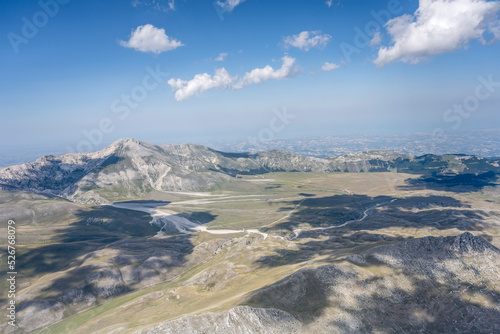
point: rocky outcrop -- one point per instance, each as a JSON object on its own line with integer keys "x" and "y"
{"x": 238, "y": 320}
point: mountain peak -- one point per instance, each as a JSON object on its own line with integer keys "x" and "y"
{"x": 468, "y": 243}
{"x": 127, "y": 146}
{"x": 126, "y": 142}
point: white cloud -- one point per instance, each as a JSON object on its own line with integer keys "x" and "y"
{"x": 329, "y": 66}
{"x": 267, "y": 73}
{"x": 200, "y": 83}
{"x": 228, "y": 5}
{"x": 307, "y": 40}
{"x": 439, "y": 26}
{"x": 148, "y": 38}
{"x": 221, "y": 56}
{"x": 184, "y": 89}
{"x": 376, "y": 40}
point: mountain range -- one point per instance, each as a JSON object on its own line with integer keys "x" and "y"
{"x": 130, "y": 168}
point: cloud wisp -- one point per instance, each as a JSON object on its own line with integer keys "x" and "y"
{"x": 331, "y": 3}
{"x": 184, "y": 89}
{"x": 229, "y": 5}
{"x": 161, "y": 5}
{"x": 329, "y": 66}
{"x": 439, "y": 26}
{"x": 148, "y": 38}
{"x": 221, "y": 56}
{"x": 307, "y": 40}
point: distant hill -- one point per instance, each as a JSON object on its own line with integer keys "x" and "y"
{"x": 484, "y": 143}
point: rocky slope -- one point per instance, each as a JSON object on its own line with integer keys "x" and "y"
{"x": 130, "y": 168}
{"x": 426, "y": 285}
{"x": 95, "y": 277}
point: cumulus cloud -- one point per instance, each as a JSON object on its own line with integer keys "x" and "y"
{"x": 229, "y": 5}
{"x": 148, "y": 38}
{"x": 439, "y": 26}
{"x": 221, "y": 56}
{"x": 329, "y": 66}
{"x": 267, "y": 73}
{"x": 184, "y": 89}
{"x": 200, "y": 83}
{"x": 307, "y": 40}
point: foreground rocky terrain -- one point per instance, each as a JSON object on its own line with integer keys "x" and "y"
{"x": 431, "y": 285}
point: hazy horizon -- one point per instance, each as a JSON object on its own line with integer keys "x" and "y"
{"x": 192, "y": 71}
{"x": 477, "y": 142}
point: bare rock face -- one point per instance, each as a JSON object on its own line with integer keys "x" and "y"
{"x": 238, "y": 320}
{"x": 433, "y": 251}
{"x": 467, "y": 243}
{"x": 40, "y": 313}
{"x": 425, "y": 285}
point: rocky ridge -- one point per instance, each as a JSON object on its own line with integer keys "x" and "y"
{"x": 130, "y": 168}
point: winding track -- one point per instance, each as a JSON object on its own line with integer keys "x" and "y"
{"x": 365, "y": 214}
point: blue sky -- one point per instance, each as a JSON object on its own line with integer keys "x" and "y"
{"x": 227, "y": 67}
